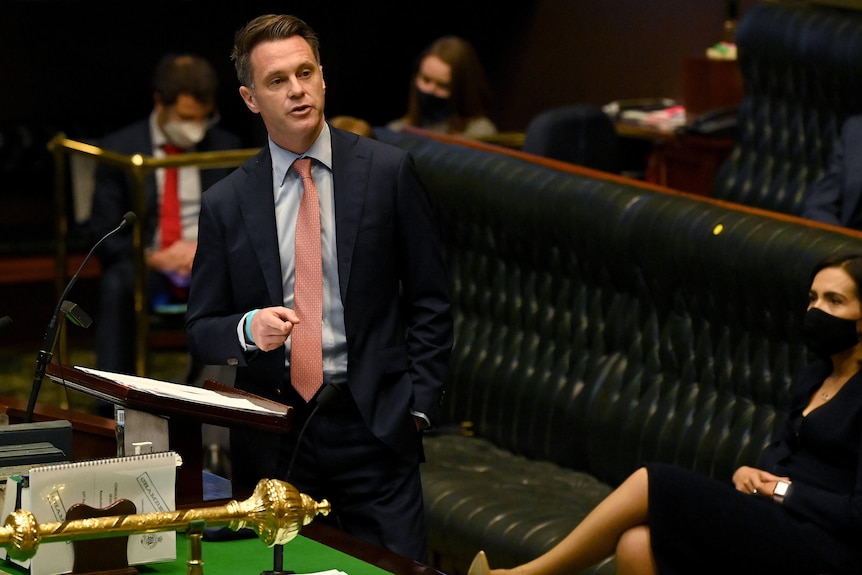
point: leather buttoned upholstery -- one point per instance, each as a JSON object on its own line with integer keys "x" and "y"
{"x": 599, "y": 324}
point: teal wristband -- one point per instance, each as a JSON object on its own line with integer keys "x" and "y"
{"x": 248, "y": 319}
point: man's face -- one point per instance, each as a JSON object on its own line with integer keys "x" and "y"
{"x": 288, "y": 92}
{"x": 186, "y": 121}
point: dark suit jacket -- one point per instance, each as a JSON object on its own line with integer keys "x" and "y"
{"x": 835, "y": 197}
{"x": 113, "y": 189}
{"x": 391, "y": 272}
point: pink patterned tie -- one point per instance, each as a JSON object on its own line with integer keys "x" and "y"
{"x": 306, "y": 349}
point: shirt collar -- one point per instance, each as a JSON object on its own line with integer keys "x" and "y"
{"x": 159, "y": 139}
{"x": 320, "y": 150}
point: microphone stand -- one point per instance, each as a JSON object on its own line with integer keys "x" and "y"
{"x": 324, "y": 398}
{"x": 46, "y": 351}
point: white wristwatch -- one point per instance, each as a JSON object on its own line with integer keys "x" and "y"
{"x": 779, "y": 494}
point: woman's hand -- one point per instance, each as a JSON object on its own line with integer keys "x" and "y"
{"x": 756, "y": 481}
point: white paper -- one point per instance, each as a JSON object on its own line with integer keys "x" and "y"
{"x": 179, "y": 391}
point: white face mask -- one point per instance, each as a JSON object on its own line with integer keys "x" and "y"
{"x": 184, "y": 134}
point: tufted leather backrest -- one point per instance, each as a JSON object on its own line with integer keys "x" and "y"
{"x": 601, "y": 324}
{"x": 579, "y": 133}
{"x": 802, "y": 72}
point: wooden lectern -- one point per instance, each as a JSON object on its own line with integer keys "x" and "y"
{"x": 185, "y": 418}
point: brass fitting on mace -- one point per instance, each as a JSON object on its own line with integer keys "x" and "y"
{"x": 276, "y": 511}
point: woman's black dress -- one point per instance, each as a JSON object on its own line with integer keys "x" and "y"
{"x": 702, "y": 526}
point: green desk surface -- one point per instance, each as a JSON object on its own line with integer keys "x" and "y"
{"x": 251, "y": 557}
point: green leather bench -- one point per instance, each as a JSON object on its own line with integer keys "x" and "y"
{"x": 599, "y": 324}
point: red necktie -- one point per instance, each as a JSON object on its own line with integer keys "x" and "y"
{"x": 169, "y": 216}
{"x": 306, "y": 348}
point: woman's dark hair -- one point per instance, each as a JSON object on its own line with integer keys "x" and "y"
{"x": 850, "y": 263}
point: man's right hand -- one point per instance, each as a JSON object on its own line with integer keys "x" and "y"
{"x": 271, "y": 326}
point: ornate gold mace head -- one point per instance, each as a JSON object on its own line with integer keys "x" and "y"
{"x": 276, "y": 511}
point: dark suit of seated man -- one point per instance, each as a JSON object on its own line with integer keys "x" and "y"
{"x": 836, "y": 198}
{"x": 182, "y": 119}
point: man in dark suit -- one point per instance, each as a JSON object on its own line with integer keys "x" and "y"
{"x": 384, "y": 325}
{"x": 836, "y": 198}
{"x": 184, "y": 94}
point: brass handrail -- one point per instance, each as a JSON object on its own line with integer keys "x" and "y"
{"x": 138, "y": 166}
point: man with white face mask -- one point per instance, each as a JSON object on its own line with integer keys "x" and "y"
{"x": 182, "y": 120}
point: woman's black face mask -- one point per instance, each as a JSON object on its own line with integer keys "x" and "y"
{"x": 827, "y": 335}
{"x": 433, "y": 108}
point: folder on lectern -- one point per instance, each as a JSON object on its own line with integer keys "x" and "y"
{"x": 147, "y": 481}
{"x": 185, "y": 407}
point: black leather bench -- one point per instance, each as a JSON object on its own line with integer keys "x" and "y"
{"x": 599, "y": 324}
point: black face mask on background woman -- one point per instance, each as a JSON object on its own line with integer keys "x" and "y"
{"x": 827, "y": 335}
{"x": 433, "y": 108}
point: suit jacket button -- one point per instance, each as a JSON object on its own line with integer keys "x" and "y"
{"x": 232, "y": 361}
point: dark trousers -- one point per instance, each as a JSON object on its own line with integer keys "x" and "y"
{"x": 375, "y": 494}
{"x": 115, "y": 321}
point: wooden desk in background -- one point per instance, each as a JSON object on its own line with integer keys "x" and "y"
{"x": 685, "y": 162}
{"x": 690, "y": 162}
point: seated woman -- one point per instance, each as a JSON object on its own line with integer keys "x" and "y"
{"x": 799, "y": 513}
{"x": 448, "y": 92}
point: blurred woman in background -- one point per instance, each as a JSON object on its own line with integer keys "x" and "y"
{"x": 449, "y": 92}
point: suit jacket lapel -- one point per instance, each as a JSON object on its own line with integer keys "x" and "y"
{"x": 257, "y": 206}
{"x": 350, "y": 173}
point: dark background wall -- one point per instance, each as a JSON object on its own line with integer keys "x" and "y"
{"x": 84, "y": 66}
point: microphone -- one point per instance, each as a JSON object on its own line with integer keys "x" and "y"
{"x": 77, "y": 316}
{"x": 5, "y": 322}
{"x": 326, "y": 396}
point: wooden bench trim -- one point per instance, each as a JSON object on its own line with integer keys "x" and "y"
{"x": 42, "y": 268}
{"x": 600, "y": 175}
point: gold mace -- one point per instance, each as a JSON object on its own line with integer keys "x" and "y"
{"x": 276, "y": 511}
